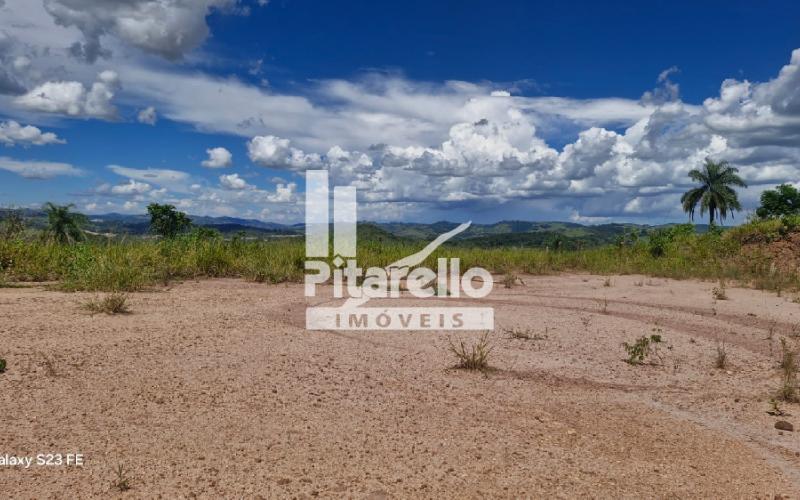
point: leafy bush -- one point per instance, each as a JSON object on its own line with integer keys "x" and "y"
{"x": 660, "y": 240}
{"x": 639, "y": 351}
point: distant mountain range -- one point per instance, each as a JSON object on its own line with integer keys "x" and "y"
{"x": 500, "y": 234}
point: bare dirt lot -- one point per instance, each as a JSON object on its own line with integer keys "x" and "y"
{"x": 215, "y": 388}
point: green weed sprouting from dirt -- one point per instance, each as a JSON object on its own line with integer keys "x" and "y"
{"x": 121, "y": 482}
{"x": 775, "y": 408}
{"x": 2, "y": 365}
{"x": 642, "y": 349}
{"x": 115, "y": 303}
{"x": 474, "y": 357}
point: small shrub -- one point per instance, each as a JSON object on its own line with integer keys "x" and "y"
{"x": 640, "y": 351}
{"x": 115, "y": 303}
{"x": 721, "y": 361}
{"x": 2, "y": 365}
{"x": 510, "y": 280}
{"x": 121, "y": 482}
{"x": 475, "y": 357}
{"x": 607, "y": 282}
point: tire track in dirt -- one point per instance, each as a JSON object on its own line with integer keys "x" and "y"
{"x": 683, "y": 327}
{"x": 551, "y": 379}
{"x": 778, "y": 327}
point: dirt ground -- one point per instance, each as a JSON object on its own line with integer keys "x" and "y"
{"x": 214, "y": 388}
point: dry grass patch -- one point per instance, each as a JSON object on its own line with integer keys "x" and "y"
{"x": 524, "y": 334}
{"x": 720, "y": 292}
{"x": 474, "y": 357}
{"x": 512, "y": 279}
{"x": 721, "y": 360}
{"x": 789, "y": 369}
{"x": 115, "y": 303}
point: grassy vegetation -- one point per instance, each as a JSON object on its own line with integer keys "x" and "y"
{"x": 101, "y": 264}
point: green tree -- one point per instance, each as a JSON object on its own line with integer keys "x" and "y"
{"x": 166, "y": 221}
{"x": 783, "y": 200}
{"x": 714, "y": 194}
{"x": 63, "y": 225}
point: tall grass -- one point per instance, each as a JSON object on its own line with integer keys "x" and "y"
{"x": 134, "y": 264}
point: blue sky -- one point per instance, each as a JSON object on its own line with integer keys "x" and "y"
{"x": 583, "y": 111}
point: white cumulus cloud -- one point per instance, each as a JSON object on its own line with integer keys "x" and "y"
{"x": 233, "y": 181}
{"x": 12, "y": 133}
{"x": 274, "y": 152}
{"x": 168, "y": 28}
{"x": 73, "y": 98}
{"x": 131, "y": 188}
{"x": 218, "y": 158}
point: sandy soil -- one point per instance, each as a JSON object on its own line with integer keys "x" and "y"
{"x": 215, "y": 388}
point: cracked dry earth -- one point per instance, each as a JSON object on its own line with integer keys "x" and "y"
{"x": 214, "y": 388}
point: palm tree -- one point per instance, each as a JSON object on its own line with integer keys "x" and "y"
{"x": 714, "y": 194}
{"x": 62, "y": 225}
